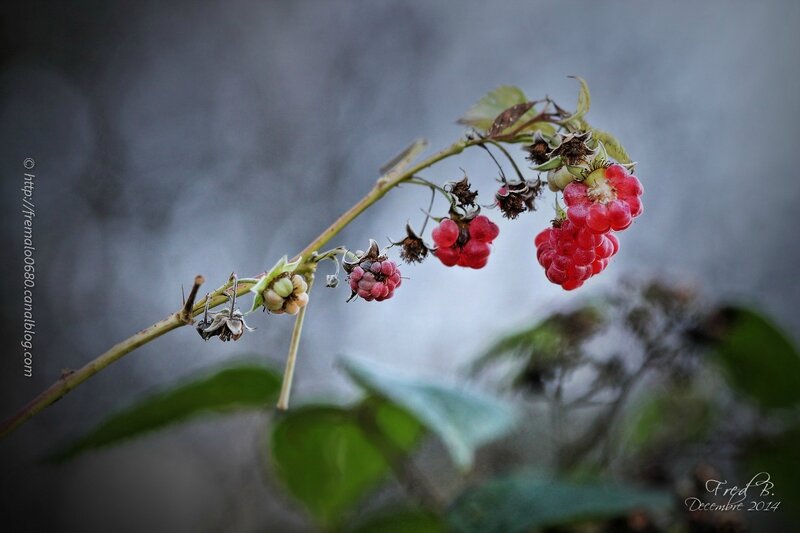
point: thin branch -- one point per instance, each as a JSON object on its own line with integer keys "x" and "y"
{"x": 294, "y": 343}
{"x": 69, "y": 381}
{"x": 510, "y": 159}
{"x": 428, "y": 212}
{"x": 496, "y": 162}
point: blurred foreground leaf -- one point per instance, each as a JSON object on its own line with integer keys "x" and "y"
{"x": 328, "y": 458}
{"x": 464, "y": 420}
{"x": 482, "y": 115}
{"x": 406, "y": 521}
{"x": 758, "y": 358}
{"x": 667, "y": 419}
{"x": 780, "y": 457}
{"x": 527, "y": 502}
{"x": 231, "y": 389}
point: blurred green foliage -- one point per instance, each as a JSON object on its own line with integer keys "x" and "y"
{"x": 462, "y": 419}
{"x": 527, "y": 502}
{"x": 227, "y": 390}
{"x": 328, "y": 459}
{"x": 647, "y": 393}
{"x": 758, "y": 358}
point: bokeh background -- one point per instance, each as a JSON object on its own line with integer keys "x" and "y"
{"x": 179, "y": 138}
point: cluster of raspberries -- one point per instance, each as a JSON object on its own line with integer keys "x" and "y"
{"x": 579, "y": 245}
{"x": 582, "y": 244}
{"x": 465, "y": 242}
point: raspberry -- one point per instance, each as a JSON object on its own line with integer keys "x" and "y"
{"x": 448, "y": 256}
{"x": 571, "y": 254}
{"x": 378, "y": 283}
{"x": 614, "y": 241}
{"x": 371, "y": 275}
{"x": 609, "y": 199}
{"x": 469, "y": 241}
{"x": 445, "y": 234}
{"x": 476, "y": 248}
{"x": 483, "y": 229}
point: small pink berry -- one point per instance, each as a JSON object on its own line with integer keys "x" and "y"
{"x": 377, "y": 289}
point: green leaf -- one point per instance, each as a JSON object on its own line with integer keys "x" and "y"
{"x": 523, "y": 503}
{"x": 400, "y": 521}
{"x": 612, "y": 145}
{"x": 482, "y": 115}
{"x": 463, "y": 420}
{"x": 328, "y": 460}
{"x": 758, "y": 359}
{"x": 510, "y": 117}
{"x": 394, "y": 423}
{"x": 245, "y": 387}
{"x": 584, "y": 102}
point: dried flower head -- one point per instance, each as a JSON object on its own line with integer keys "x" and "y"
{"x": 516, "y": 197}
{"x": 574, "y": 148}
{"x": 413, "y": 248}
{"x": 227, "y": 324}
{"x": 463, "y": 192}
{"x": 539, "y": 151}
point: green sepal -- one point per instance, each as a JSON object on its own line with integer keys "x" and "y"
{"x": 578, "y": 172}
{"x": 554, "y": 163}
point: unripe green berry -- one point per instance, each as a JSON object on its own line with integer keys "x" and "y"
{"x": 558, "y": 179}
{"x": 299, "y": 283}
{"x": 283, "y": 287}
{"x": 272, "y": 300}
{"x": 302, "y": 299}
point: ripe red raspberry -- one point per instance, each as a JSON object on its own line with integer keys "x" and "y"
{"x": 482, "y": 229}
{"x": 465, "y": 242}
{"x": 445, "y": 234}
{"x": 571, "y": 254}
{"x": 608, "y": 199}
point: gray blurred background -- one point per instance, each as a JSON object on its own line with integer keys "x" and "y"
{"x": 172, "y": 139}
